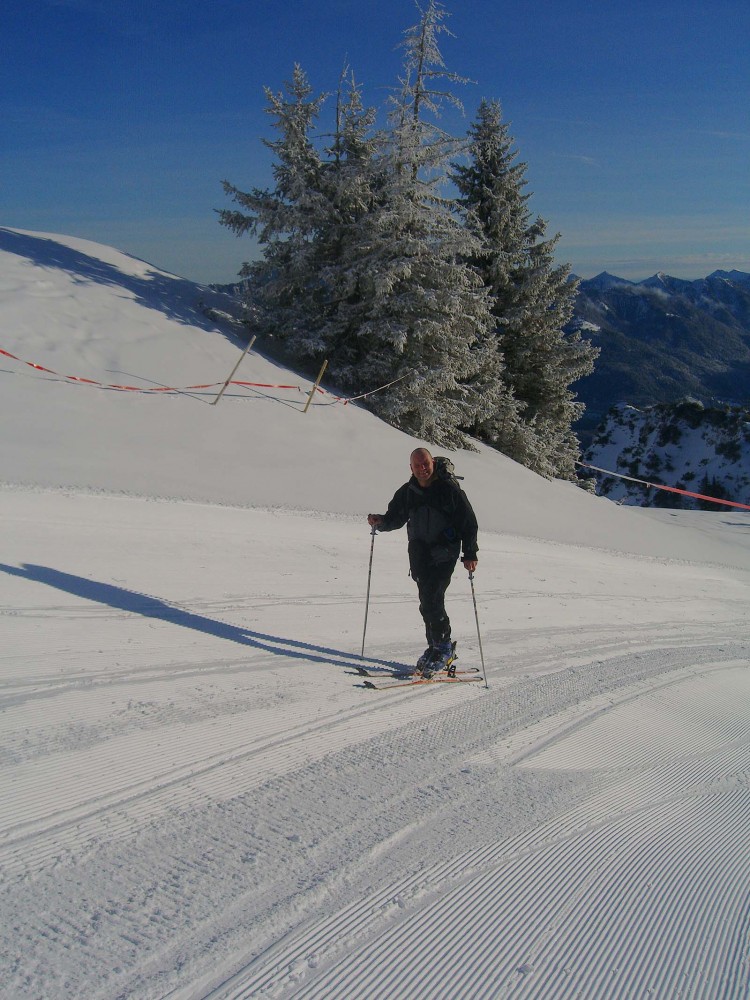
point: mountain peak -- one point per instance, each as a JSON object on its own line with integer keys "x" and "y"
{"x": 666, "y": 282}
{"x": 659, "y": 279}
{"x": 605, "y": 280}
{"x": 741, "y": 277}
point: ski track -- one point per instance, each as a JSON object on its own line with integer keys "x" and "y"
{"x": 206, "y": 803}
{"x": 176, "y": 767}
{"x": 555, "y": 723}
{"x": 585, "y": 905}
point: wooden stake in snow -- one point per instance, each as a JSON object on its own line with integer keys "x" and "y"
{"x": 221, "y": 391}
{"x": 315, "y": 387}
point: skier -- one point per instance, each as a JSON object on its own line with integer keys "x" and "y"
{"x": 439, "y": 521}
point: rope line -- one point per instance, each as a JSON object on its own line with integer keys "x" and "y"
{"x": 208, "y": 385}
{"x": 661, "y": 486}
{"x": 141, "y": 388}
{"x": 363, "y": 395}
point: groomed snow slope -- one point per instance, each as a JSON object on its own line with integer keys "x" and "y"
{"x": 201, "y": 799}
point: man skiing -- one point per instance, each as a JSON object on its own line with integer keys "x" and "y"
{"x": 439, "y": 520}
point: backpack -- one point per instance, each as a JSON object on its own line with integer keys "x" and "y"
{"x": 445, "y": 469}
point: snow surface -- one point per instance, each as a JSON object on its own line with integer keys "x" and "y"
{"x": 200, "y": 799}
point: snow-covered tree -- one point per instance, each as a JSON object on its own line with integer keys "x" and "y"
{"x": 532, "y": 300}
{"x": 287, "y": 218}
{"x": 308, "y": 224}
{"x": 424, "y": 315}
{"x": 354, "y": 184}
{"x": 455, "y": 304}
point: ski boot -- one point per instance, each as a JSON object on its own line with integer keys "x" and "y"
{"x": 424, "y": 660}
{"x": 443, "y": 656}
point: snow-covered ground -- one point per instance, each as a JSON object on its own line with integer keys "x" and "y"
{"x": 200, "y": 799}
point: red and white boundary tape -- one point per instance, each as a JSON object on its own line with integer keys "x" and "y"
{"x": 670, "y": 489}
{"x": 209, "y": 385}
{"x": 140, "y": 388}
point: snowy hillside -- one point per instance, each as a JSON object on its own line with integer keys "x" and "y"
{"x": 699, "y": 449}
{"x": 88, "y": 311}
{"x": 203, "y": 800}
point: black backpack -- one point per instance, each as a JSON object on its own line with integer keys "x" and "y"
{"x": 445, "y": 469}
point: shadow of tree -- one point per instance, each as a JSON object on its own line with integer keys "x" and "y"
{"x": 152, "y": 607}
{"x": 179, "y": 299}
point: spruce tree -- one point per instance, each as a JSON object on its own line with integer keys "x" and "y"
{"x": 423, "y": 317}
{"x": 308, "y": 226}
{"x": 354, "y": 185}
{"x": 366, "y": 264}
{"x": 286, "y": 219}
{"x": 532, "y": 300}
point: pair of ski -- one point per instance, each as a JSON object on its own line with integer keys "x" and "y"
{"x": 384, "y": 682}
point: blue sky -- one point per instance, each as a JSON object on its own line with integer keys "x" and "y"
{"x": 119, "y": 120}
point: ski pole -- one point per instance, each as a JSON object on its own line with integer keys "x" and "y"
{"x": 369, "y": 578}
{"x": 476, "y": 616}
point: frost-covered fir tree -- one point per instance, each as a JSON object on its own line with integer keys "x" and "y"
{"x": 423, "y": 316}
{"x": 366, "y": 264}
{"x": 307, "y": 223}
{"x": 287, "y": 218}
{"x": 354, "y": 185}
{"x": 532, "y": 300}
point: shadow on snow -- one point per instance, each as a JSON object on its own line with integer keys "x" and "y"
{"x": 152, "y": 607}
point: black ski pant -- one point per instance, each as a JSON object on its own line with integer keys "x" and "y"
{"x": 432, "y": 581}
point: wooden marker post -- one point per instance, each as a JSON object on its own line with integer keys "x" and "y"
{"x": 315, "y": 387}
{"x": 221, "y": 391}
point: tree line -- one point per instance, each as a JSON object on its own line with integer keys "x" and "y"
{"x": 404, "y": 254}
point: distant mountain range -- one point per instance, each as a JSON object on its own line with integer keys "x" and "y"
{"x": 663, "y": 339}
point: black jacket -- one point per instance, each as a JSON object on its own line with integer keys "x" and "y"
{"x": 439, "y": 521}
